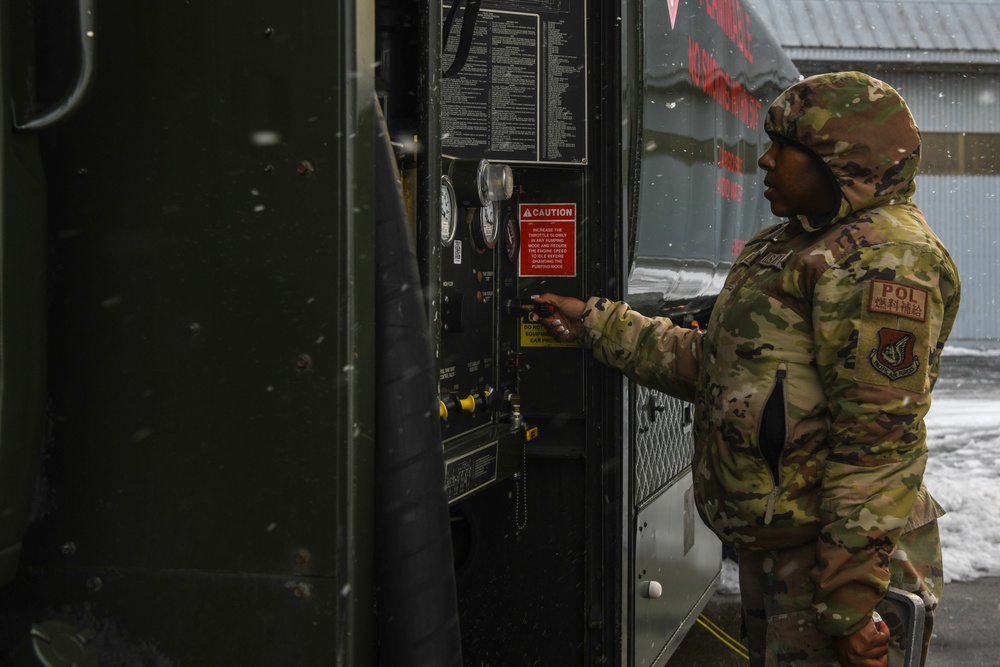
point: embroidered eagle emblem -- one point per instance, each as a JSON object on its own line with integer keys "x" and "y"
{"x": 894, "y": 356}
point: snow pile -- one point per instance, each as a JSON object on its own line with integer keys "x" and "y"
{"x": 729, "y": 578}
{"x": 963, "y": 474}
{"x": 963, "y": 470}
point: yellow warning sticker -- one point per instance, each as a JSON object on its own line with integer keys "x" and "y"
{"x": 533, "y": 334}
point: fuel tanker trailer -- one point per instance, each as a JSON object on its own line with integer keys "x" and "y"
{"x": 270, "y": 389}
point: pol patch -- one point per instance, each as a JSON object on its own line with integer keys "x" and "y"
{"x": 895, "y": 299}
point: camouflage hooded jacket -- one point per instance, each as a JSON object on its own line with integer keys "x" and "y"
{"x": 813, "y": 377}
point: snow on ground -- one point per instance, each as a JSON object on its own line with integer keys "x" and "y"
{"x": 963, "y": 474}
{"x": 963, "y": 469}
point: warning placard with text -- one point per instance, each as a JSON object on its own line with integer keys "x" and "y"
{"x": 548, "y": 240}
{"x": 533, "y": 334}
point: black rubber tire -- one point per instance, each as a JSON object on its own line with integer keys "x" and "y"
{"x": 415, "y": 592}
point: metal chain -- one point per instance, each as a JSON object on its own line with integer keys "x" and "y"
{"x": 522, "y": 489}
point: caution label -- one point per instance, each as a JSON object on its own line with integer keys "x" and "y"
{"x": 548, "y": 240}
{"x": 534, "y": 334}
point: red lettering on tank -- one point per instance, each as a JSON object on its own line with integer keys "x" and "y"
{"x": 734, "y": 21}
{"x": 707, "y": 74}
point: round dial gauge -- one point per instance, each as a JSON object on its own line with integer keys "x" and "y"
{"x": 511, "y": 236}
{"x": 495, "y": 181}
{"x": 488, "y": 224}
{"x": 449, "y": 211}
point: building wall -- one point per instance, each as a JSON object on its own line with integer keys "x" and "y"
{"x": 961, "y": 201}
{"x": 965, "y": 212}
{"x": 949, "y": 101}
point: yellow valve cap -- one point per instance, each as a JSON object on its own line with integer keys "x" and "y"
{"x": 442, "y": 410}
{"x": 468, "y": 403}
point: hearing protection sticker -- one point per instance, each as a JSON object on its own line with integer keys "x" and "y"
{"x": 533, "y": 334}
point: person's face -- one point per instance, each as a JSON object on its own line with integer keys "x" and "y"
{"x": 795, "y": 182}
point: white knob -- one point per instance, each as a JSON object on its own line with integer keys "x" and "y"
{"x": 652, "y": 590}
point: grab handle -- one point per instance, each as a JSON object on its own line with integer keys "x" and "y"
{"x": 85, "y": 72}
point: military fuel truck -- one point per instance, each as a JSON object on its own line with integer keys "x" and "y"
{"x": 271, "y": 392}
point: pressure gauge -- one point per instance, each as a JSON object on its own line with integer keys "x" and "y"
{"x": 449, "y": 211}
{"x": 486, "y": 226}
{"x": 511, "y": 235}
{"x": 479, "y": 182}
{"x": 495, "y": 182}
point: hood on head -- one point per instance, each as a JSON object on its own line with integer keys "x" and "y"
{"x": 860, "y": 128}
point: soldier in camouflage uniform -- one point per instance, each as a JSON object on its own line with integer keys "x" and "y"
{"x": 813, "y": 377}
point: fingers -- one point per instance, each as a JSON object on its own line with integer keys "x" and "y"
{"x": 877, "y": 635}
{"x": 558, "y": 329}
{"x": 553, "y": 300}
{"x": 569, "y": 307}
{"x": 868, "y": 647}
{"x": 561, "y": 325}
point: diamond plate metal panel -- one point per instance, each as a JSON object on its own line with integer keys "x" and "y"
{"x": 664, "y": 443}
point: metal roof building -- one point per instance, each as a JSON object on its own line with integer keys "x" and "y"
{"x": 910, "y": 33}
{"x": 944, "y": 58}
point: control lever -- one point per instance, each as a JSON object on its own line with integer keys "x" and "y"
{"x": 451, "y": 404}
{"x": 447, "y": 404}
{"x": 478, "y": 402}
{"x": 521, "y": 308}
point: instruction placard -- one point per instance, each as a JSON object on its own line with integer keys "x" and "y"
{"x": 469, "y": 472}
{"x": 548, "y": 240}
{"x": 521, "y": 95}
{"x": 534, "y": 334}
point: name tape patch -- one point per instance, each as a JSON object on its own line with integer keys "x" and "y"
{"x": 895, "y": 299}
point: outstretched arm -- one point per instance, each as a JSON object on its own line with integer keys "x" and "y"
{"x": 650, "y": 350}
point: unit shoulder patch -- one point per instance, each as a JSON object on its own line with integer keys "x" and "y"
{"x": 892, "y": 298}
{"x": 895, "y": 336}
{"x": 893, "y": 357}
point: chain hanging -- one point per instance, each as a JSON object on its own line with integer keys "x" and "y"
{"x": 521, "y": 481}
